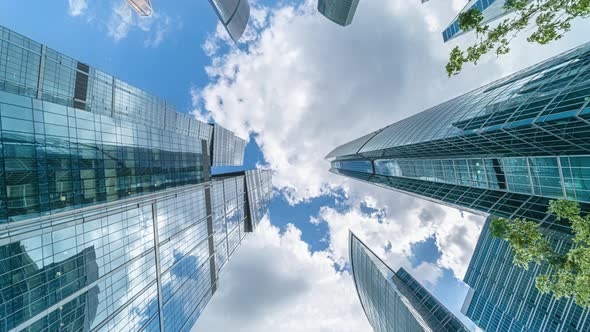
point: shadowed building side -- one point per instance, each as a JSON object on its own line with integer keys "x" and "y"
{"x": 340, "y": 12}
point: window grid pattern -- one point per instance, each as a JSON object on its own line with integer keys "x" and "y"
{"x": 80, "y": 169}
{"x": 505, "y": 148}
{"x": 26, "y": 66}
{"x": 430, "y": 309}
{"x": 259, "y": 194}
{"x": 505, "y": 297}
{"x": 387, "y": 299}
{"x": 556, "y": 177}
{"x": 56, "y": 157}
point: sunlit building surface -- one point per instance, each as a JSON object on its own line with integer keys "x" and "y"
{"x": 395, "y": 301}
{"x": 142, "y": 7}
{"x": 338, "y": 11}
{"x": 506, "y": 149}
{"x": 490, "y": 9}
{"x": 503, "y": 297}
{"x": 110, "y": 219}
{"x": 234, "y": 15}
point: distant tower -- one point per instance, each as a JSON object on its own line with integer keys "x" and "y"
{"x": 142, "y": 7}
{"x": 234, "y": 15}
{"x": 338, "y": 11}
{"x": 395, "y": 301}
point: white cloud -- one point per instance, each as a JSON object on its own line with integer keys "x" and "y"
{"x": 77, "y": 7}
{"x": 274, "y": 283}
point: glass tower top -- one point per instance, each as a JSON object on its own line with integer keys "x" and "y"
{"x": 395, "y": 301}
{"x": 234, "y": 15}
{"x": 506, "y": 148}
{"x": 340, "y": 12}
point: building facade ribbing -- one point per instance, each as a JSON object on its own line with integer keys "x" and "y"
{"x": 395, "y": 301}
{"x": 110, "y": 219}
{"x": 503, "y": 297}
{"x": 506, "y": 148}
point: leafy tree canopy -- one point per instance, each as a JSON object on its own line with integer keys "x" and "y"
{"x": 550, "y": 19}
{"x": 569, "y": 273}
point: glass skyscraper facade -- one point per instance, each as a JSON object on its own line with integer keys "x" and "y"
{"x": 395, "y": 301}
{"x": 491, "y": 10}
{"x": 110, "y": 219}
{"x": 340, "y": 12}
{"x": 503, "y": 297}
{"x": 506, "y": 148}
{"x": 234, "y": 15}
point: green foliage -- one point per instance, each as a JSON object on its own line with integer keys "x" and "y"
{"x": 569, "y": 273}
{"x": 526, "y": 240}
{"x": 552, "y": 19}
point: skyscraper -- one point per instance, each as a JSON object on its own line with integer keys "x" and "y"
{"x": 110, "y": 219}
{"x": 338, "y": 11}
{"x": 142, "y": 7}
{"x": 396, "y": 301}
{"x": 503, "y": 297}
{"x": 490, "y": 9}
{"x": 234, "y": 15}
{"x": 506, "y": 148}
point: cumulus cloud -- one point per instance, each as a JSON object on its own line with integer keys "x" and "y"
{"x": 77, "y": 7}
{"x": 282, "y": 286}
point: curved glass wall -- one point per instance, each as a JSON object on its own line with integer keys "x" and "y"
{"x": 395, "y": 301}
{"x": 234, "y": 15}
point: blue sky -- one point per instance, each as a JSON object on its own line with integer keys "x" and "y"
{"x": 297, "y": 86}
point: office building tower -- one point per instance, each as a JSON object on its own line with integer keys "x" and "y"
{"x": 507, "y": 148}
{"x": 340, "y": 12}
{"x": 395, "y": 301}
{"x": 234, "y": 15}
{"x": 142, "y": 7}
{"x": 490, "y": 9}
{"x": 110, "y": 219}
{"x": 503, "y": 297}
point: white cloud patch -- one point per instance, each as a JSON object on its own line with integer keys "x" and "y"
{"x": 77, "y": 7}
